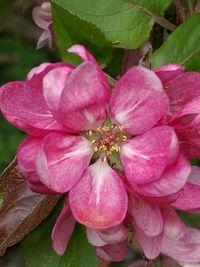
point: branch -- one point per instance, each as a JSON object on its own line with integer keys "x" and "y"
{"x": 160, "y": 20}
{"x": 180, "y": 10}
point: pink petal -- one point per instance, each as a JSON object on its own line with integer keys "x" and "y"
{"x": 189, "y": 136}
{"x": 83, "y": 101}
{"x": 34, "y": 183}
{"x": 82, "y": 52}
{"x": 86, "y": 56}
{"x": 45, "y": 38}
{"x": 104, "y": 202}
{"x": 63, "y": 229}
{"x": 42, "y": 15}
{"x": 53, "y": 84}
{"x": 137, "y": 93}
{"x": 24, "y": 106}
{"x": 26, "y": 157}
{"x": 189, "y": 198}
{"x": 151, "y": 245}
{"x": 168, "y": 72}
{"x": 94, "y": 238}
{"x": 171, "y": 181}
{"x": 114, "y": 235}
{"x": 186, "y": 249}
{"x": 39, "y": 69}
{"x": 182, "y": 90}
{"x": 62, "y": 160}
{"x": 27, "y": 153}
{"x": 147, "y": 216}
{"x": 145, "y": 157}
{"x": 187, "y": 114}
{"x": 37, "y": 74}
{"x": 114, "y": 252}
{"x": 173, "y": 226}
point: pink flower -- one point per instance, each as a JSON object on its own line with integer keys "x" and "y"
{"x": 99, "y": 145}
{"x": 43, "y": 18}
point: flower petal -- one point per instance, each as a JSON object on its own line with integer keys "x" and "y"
{"x": 145, "y": 157}
{"x": 189, "y": 198}
{"x": 86, "y": 56}
{"x": 168, "y": 72}
{"x": 27, "y": 153}
{"x": 151, "y": 245}
{"x": 114, "y": 235}
{"x": 137, "y": 93}
{"x": 62, "y": 160}
{"x": 42, "y": 15}
{"x": 24, "y": 106}
{"x": 94, "y": 238}
{"x": 104, "y": 202}
{"x": 114, "y": 252}
{"x": 82, "y": 52}
{"x": 174, "y": 228}
{"x": 36, "y": 75}
{"x": 171, "y": 181}
{"x": 148, "y": 217}
{"x": 26, "y": 157}
{"x": 53, "y": 84}
{"x": 189, "y": 136}
{"x": 83, "y": 101}
{"x": 186, "y": 249}
{"x": 182, "y": 90}
{"x": 45, "y": 38}
{"x": 63, "y": 229}
{"x": 39, "y": 69}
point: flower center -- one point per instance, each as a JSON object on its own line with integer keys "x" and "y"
{"x": 107, "y": 138}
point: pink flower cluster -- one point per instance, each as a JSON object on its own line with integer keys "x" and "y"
{"x": 122, "y": 154}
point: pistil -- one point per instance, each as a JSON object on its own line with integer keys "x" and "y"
{"x": 107, "y": 138}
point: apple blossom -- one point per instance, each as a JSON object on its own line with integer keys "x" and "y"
{"x": 116, "y": 153}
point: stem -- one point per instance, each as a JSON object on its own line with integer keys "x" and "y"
{"x": 180, "y": 10}
{"x": 160, "y": 20}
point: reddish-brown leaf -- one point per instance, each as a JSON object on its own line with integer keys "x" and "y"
{"x": 22, "y": 210}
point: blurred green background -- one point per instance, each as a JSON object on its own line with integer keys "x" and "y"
{"x": 18, "y": 55}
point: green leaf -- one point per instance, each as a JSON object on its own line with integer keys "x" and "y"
{"x": 125, "y": 25}
{"x": 6, "y": 6}
{"x": 38, "y": 252}
{"x": 182, "y": 46}
{"x": 70, "y": 29}
{"x": 190, "y": 219}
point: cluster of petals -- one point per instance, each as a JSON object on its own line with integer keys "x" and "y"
{"x": 159, "y": 112}
{"x": 42, "y": 16}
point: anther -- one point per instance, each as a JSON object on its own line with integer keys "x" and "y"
{"x": 96, "y": 149}
{"x": 121, "y": 127}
